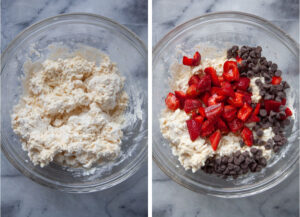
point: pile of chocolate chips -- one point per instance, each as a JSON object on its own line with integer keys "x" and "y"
{"x": 255, "y": 65}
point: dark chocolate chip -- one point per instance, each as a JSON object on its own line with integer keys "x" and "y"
{"x": 260, "y": 133}
{"x": 277, "y": 138}
{"x": 278, "y": 73}
{"x": 263, "y": 112}
{"x": 253, "y": 150}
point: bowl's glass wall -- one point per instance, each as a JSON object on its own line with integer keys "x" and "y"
{"x": 223, "y": 31}
{"x": 131, "y": 57}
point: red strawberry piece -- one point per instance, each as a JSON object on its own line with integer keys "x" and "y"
{"x": 246, "y": 96}
{"x": 199, "y": 119}
{"x": 196, "y": 59}
{"x": 215, "y": 139}
{"x": 194, "y": 114}
{"x": 230, "y": 71}
{"x": 204, "y": 98}
{"x": 226, "y": 89}
{"x": 215, "y": 90}
{"x": 237, "y": 101}
{"x": 201, "y": 111}
{"x": 239, "y": 60}
{"x": 191, "y": 104}
{"x": 288, "y": 112}
{"x": 235, "y": 125}
{"x": 253, "y": 117}
{"x": 214, "y": 99}
{"x": 221, "y": 78}
{"x": 244, "y": 112}
{"x": 221, "y": 125}
{"x": 187, "y": 61}
{"x": 272, "y": 105}
{"x": 192, "y": 91}
{"x": 194, "y": 80}
{"x": 182, "y": 97}
{"x": 247, "y": 136}
{"x": 194, "y": 128}
{"x": 172, "y": 102}
{"x": 229, "y": 112}
{"x": 276, "y": 80}
{"x": 207, "y": 128}
{"x": 243, "y": 83}
{"x": 256, "y": 110}
{"x": 204, "y": 84}
{"x": 213, "y": 112}
{"x": 283, "y": 101}
{"x": 213, "y": 74}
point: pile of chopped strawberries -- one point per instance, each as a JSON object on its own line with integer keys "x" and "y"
{"x": 218, "y": 105}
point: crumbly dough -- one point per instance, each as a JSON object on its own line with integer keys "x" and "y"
{"x": 255, "y": 89}
{"x": 192, "y": 155}
{"x": 71, "y": 112}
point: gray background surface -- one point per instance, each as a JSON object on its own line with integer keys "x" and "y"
{"x": 173, "y": 200}
{"x": 22, "y": 197}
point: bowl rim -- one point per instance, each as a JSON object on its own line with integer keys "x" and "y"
{"x": 133, "y": 166}
{"x": 225, "y": 194}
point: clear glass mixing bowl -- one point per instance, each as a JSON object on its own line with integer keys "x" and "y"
{"x": 124, "y": 48}
{"x": 223, "y": 30}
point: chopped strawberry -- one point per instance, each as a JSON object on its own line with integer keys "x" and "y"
{"x": 247, "y": 136}
{"x": 187, "y": 61}
{"x": 243, "y": 83}
{"x": 283, "y": 101}
{"x": 229, "y": 112}
{"x": 214, "y": 111}
{"x": 195, "y": 61}
{"x": 192, "y": 91}
{"x": 207, "y": 128}
{"x": 204, "y": 84}
{"x": 276, "y": 80}
{"x": 237, "y": 101}
{"x": 194, "y": 114}
{"x": 215, "y": 139}
{"x": 182, "y": 97}
{"x": 226, "y": 89}
{"x": 201, "y": 111}
{"x": 204, "y": 98}
{"x": 256, "y": 110}
{"x": 230, "y": 71}
{"x": 191, "y": 104}
{"x": 194, "y": 128}
{"x": 221, "y": 78}
{"x": 245, "y": 112}
{"x": 214, "y": 99}
{"x": 172, "y": 102}
{"x": 213, "y": 74}
{"x": 246, "y": 96}
{"x": 253, "y": 117}
{"x": 194, "y": 80}
{"x": 199, "y": 119}
{"x": 235, "y": 125}
{"x": 272, "y": 105}
{"x": 288, "y": 112}
{"x": 239, "y": 60}
{"x": 215, "y": 90}
{"x": 221, "y": 125}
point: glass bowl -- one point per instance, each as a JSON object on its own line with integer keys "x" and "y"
{"x": 124, "y": 48}
{"x": 223, "y": 30}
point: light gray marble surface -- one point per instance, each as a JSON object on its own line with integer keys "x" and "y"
{"x": 173, "y": 200}
{"x": 22, "y": 197}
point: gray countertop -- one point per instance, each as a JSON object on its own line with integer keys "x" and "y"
{"x": 173, "y": 200}
{"x": 22, "y": 197}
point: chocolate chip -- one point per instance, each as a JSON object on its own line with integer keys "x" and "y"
{"x": 250, "y": 73}
{"x": 268, "y": 146}
{"x": 253, "y": 150}
{"x": 261, "y": 142}
{"x": 287, "y": 122}
{"x": 242, "y": 144}
{"x": 274, "y": 67}
{"x": 278, "y": 73}
{"x": 260, "y": 133}
{"x": 230, "y": 160}
{"x": 224, "y": 160}
{"x": 259, "y": 152}
{"x": 263, "y": 112}
{"x": 258, "y": 168}
{"x": 277, "y": 138}
{"x": 276, "y": 148}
